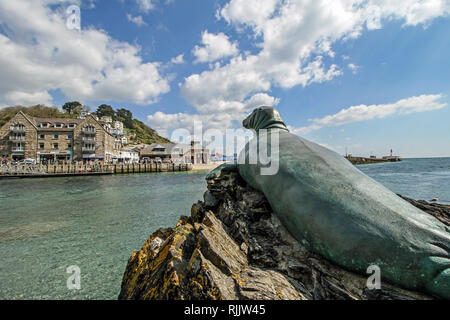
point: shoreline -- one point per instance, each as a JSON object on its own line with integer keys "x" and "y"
{"x": 206, "y": 167}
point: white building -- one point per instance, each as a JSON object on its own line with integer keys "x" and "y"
{"x": 106, "y": 119}
{"x": 128, "y": 155}
{"x": 187, "y": 153}
{"x": 118, "y": 125}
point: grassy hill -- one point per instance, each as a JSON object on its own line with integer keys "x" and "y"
{"x": 144, "y": 134}
{"x": 141, "y": 132}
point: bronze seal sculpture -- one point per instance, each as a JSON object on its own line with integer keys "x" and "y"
{"x": 335, "y": 210}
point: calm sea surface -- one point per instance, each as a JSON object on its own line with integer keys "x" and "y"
{"x": 47, "y": 225}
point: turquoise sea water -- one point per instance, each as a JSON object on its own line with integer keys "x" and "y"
{"x": 47, "y": 225}
{"x": 420, "y": 179}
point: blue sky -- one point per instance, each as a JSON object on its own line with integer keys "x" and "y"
{"x": 366, "y": 76}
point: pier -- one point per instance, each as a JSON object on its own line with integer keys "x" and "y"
{"x": 363, "y": 160}
{"x": 79, "y": 169}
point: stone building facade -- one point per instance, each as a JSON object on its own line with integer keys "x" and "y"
{"x": 54, "y": 139}
{"x": 186, "y": 153}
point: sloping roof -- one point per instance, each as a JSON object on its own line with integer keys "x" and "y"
{"x": 148, "y": 149}
{"x": 27, "y": 118}
{"x": 128, "y": 149}
{"x": 37, "y": 121}
{"x": 169, "y": 148}
{"x": 56, "y": 120}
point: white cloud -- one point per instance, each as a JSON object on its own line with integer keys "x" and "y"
{"x": 353, "y": 67}
{"x": 178, "y": 59}
{"x": 214, "y": 47}
{"x": 412, "y": 12}
{"x": 138, "y": 20}
{"x": 39, "y": 53}
{"x": 222, "y": 115}
{"x": 164, "y": 123}
{"x": 363, "y": 112}
{"x": 293, "y": 37}
{"x": 25, "y": 98}
{"x": 249, "y": 12}
{"x": 179, "y": 127}
{"x": 145, "y": 5}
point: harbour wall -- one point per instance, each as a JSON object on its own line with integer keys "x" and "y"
{"x": 79, "y": 169}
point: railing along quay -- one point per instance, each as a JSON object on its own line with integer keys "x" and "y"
{"x": 147, "y": 167}
{"x": 77, "y": 169}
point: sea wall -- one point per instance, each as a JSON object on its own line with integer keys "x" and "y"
{"x": 233, "y": 247}
{"x": 79, "y": 168}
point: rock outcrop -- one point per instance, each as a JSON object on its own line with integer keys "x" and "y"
{"x": 233, "y": 247}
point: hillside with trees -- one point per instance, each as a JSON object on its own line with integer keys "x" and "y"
{"x": 139, "y": 131}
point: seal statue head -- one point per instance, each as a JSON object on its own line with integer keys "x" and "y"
{"x": 264, "y": 118}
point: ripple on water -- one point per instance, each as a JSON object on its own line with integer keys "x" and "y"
{"x": 92, "y": 222}
{"x": 30, "y": 230}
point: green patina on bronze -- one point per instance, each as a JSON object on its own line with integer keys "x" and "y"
{"x": 335, "y": 210}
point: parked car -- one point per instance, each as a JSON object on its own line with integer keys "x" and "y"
{"x": 158, "y": 160}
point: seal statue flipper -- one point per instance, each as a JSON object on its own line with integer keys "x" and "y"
{"x": 340, "y": 213}
{"x": 441, "y": 283}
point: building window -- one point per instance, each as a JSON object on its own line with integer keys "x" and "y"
{"x": 55, "y": 146}
{"x": 42, "y": 136}
{"x": 69, "y": 136}
{"x": 58, "y": 125}
{"x": 71, "y": 125}
{"x": 44, "y": 125}
{"x": 41, "y": 146}
{"x": 56, "y": 136}
{"x": 69, "y": 146}
{"x": 89, "y": 129}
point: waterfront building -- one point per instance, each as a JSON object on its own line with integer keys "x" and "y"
{"x": 187, "y": 153}
{"x": 54, "y": 139}
{"x": 128, "y": 155}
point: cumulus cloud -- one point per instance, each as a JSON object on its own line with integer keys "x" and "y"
{"x": 250, "y": 12}
{"x": 363, "y": 112}
{"x": 145, "y": 5}
{"x": 138, "y": 20}
{"x": 39, "y": 53}
{"x": 221, "y": 115}
{"x": 178, "y": 59}
{"x": 25, "y": 98}
{"x": 353, "y": 67}
{"x": 216, "y": 131}
{"x": 214, "y": 47}
{"x": 292, "y": 39}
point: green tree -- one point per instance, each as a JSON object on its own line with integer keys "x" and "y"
{"x": 126, "y": 117}
{"x": 124, "y": 114}
{"x": 105, "y": 110}
{"x": 70, "y": 107}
